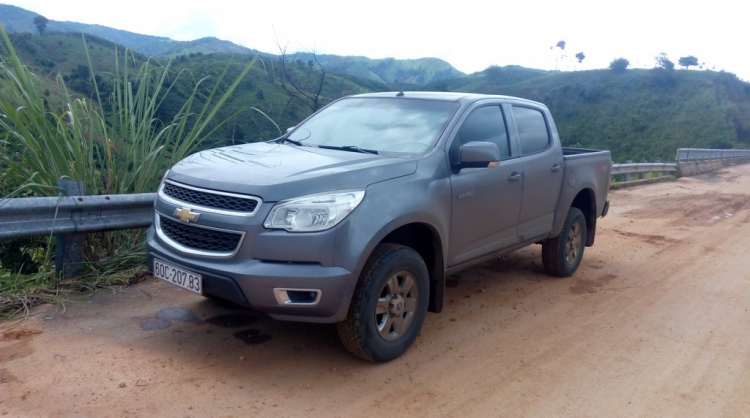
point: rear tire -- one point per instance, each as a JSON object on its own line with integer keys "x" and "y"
{"x": 563, "y": 254}
{"x": 389, "y": 305}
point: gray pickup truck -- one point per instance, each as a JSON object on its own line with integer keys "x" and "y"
{"x": 356, "y": 215}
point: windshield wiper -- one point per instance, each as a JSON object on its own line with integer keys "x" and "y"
{"x": 292, "y": 141}
{"x": 351, "y": 148}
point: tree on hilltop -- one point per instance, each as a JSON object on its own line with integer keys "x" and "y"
{"x": 663, "y": 62}
{"x": 619, "y": 64}
{"x": 561, "y": 45}
{"x": 41, "y": 23}
{"x": 580, "y": 57}
{"x": 688, "y": 61}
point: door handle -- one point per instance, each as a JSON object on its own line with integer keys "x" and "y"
{"x": 556, "y": 167}
{"x": 516, "y": 175}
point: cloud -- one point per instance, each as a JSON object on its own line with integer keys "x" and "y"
{"x": 470, "y": 34}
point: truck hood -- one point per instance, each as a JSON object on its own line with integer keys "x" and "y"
{"x": 281, "y": 171}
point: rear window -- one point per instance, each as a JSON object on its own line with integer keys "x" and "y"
{"x": 532, "y": 130}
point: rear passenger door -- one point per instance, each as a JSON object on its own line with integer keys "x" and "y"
{"x": 486, "y": 201}
{"x": 543, "y": 173}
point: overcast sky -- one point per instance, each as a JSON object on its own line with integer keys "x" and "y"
{"x": 469, "y": 34}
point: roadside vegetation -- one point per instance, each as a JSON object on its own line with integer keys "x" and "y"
{"x": 115, "y": 142}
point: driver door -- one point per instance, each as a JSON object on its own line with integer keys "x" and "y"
{"x": 486, "y": 201}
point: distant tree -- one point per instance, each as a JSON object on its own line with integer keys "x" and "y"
{"x": 494, "y": 73}
{"x": 562, "y": 56}
{"x": 663, "y": 62}
{"x": 619, "y": 64}
{"x": 307, "y": 88}
{"x": 260, "y": 95}
{"x": 310, "y": 63}
{"x": 81, "y": 72}
{"x": 688, "y": 61}
{"x": 41, "y": 23}
{"x": 580, "y": 57}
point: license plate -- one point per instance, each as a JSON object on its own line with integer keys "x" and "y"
{"x": 180, "y": 277}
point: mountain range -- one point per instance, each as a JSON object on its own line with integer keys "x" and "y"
{"x": 387, "y": 70}
{"x": 638, "y": 114}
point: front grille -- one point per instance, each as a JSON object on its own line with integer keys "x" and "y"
{"x": 211, "y": 200}
{"x": 200, "y": 238}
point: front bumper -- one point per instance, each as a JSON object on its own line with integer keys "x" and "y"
{"x": 251, "y": 283}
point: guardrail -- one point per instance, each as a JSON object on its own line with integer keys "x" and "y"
{"x": 697, "y": 154}
{"x": 641, "y": 168}
{"x": 39, "y": 216}
{"x": 69, "y": 218}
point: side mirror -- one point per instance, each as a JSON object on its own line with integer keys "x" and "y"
{"x": 478, "y": 154}
{"x": 290, "y": 129}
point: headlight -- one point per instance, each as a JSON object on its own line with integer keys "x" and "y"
{"x": 313, "y": 213}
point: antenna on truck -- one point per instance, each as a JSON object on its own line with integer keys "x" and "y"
{"x": 401, "y": 93}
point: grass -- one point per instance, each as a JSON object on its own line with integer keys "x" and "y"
{"x": 53, "y": 53}
{"x": 20, "y": 292}
{"x": 114, "y": 140}
{"x": 619, "y": 181}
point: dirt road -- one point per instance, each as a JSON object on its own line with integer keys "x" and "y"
{"x": 654, "y": 323}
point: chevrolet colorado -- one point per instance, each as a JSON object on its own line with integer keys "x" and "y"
{"x": 357, "y": 215}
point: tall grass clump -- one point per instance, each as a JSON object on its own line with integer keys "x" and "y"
{"x": 113, "y": 140}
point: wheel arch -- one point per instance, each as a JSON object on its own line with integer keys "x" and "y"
{"x": 427, "y": 241}
{"x": 585, "y": 201}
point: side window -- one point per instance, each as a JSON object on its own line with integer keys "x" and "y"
{"x": 532, "y": 130}
{"x": 485, "y": 124}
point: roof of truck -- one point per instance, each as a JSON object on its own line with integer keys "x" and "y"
{"x": 447, "y": 96}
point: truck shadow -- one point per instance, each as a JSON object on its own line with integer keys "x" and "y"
{"x": 233, "y": 336}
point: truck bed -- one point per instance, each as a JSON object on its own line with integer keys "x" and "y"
{"x": 584, "y": 167}
{"x": 570, "y": 151}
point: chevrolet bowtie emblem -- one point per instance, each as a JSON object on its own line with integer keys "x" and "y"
{"x": 186, "y": 215}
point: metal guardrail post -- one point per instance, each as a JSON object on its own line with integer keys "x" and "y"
{"x": 642, "y": 175}
{"x": 69, "y": 247}
{"x": 627, "y": 176}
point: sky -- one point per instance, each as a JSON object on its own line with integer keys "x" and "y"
{"x": 469, "y": 34}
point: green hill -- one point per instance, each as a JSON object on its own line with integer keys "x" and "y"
{"x": 64, "y": 53}
{"x": 18, "y": 20}
{"x": 388, "y": 70}
{"x": 637, "y": 114}
{"x": 491, "y": 77}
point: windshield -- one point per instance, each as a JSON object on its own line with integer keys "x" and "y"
{"x": 380, "y": 124}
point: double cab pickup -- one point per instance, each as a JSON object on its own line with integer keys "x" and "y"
{"x": 356, "y": 215}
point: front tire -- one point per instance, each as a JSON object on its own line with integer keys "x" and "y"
{"x": 563, "y": 254}
{"x": 389, "y": 305}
